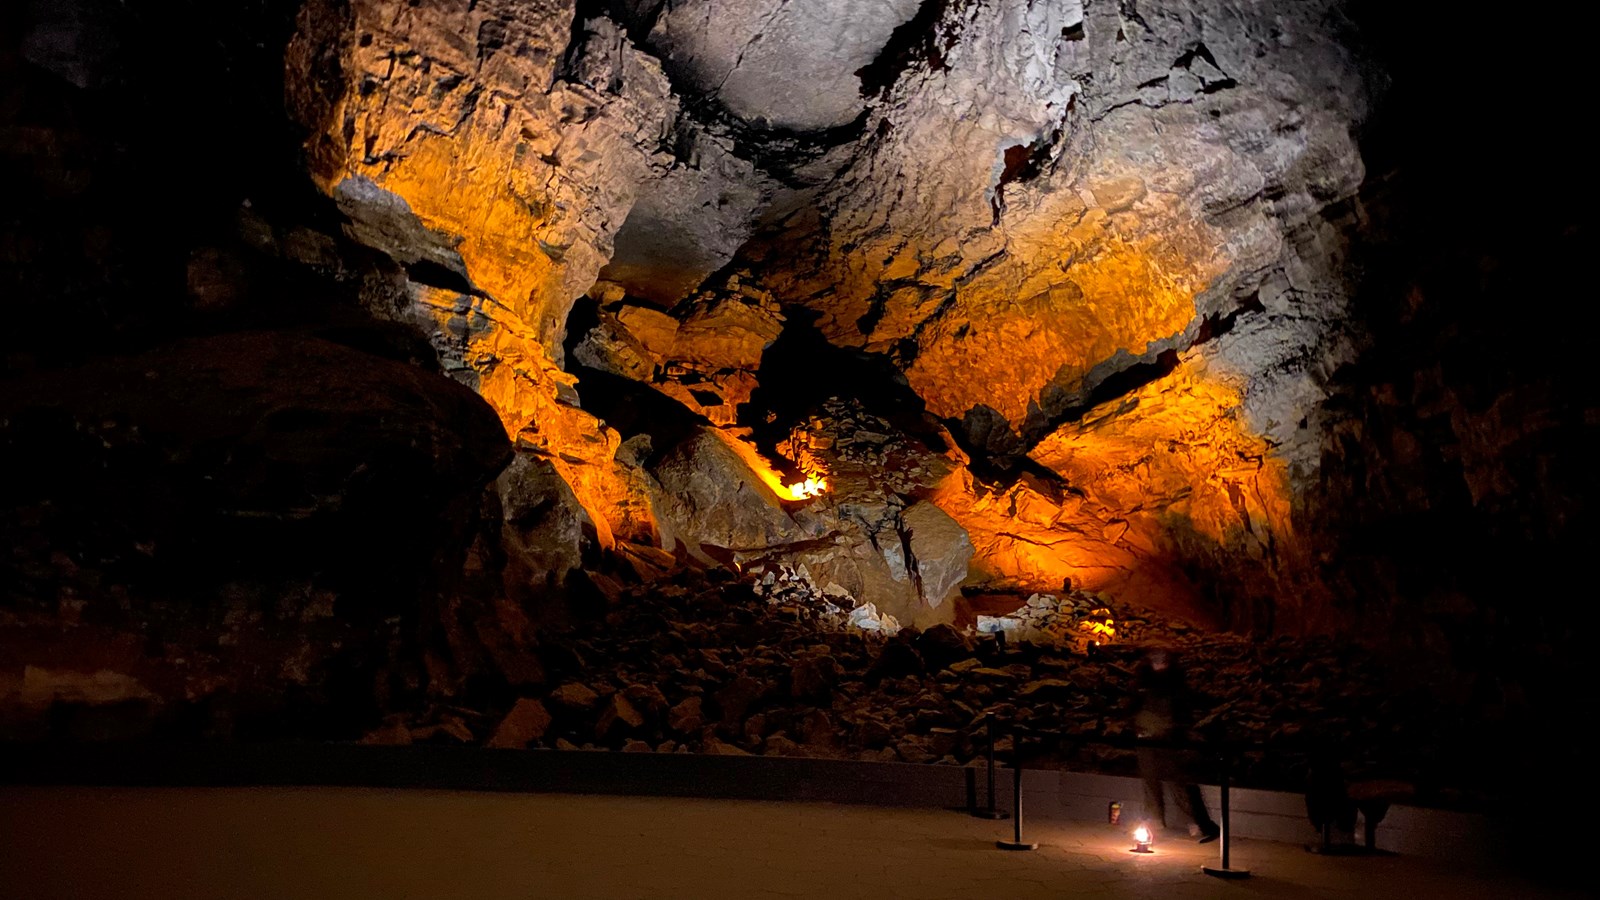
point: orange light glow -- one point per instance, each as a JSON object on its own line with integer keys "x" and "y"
{"x": 805, "y": 490}
{"x": 1172, "y": 471}
{"x": 1104, "y": 630}
{"x": 812, "y": 486}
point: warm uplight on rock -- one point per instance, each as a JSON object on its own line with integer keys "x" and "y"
{"x": 1103, "y": 632}
{"x": 769, "y": 474}
{"x": 1167, "y": 478}
{"x": 1023, "y": 270}
{"x": 748, "y": 377}
{"x": 805, "y": 490}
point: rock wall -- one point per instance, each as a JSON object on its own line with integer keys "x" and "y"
{"x": 1116, "y": 253}
{"x": 1058, "y": 193}
{"x": 1053, "y": 201}
{"x": 1181, "y": 303}
{"x": 495, "y": 150}
{"x": 1043, "y": 205}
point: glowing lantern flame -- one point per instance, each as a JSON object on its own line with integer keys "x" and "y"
{"x": 1141, "y": 835}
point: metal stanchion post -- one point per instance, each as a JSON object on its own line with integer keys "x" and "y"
{"x": 989, "y": 812}
{"x": 1224, "y": 870}
{"x": 1016, "y": 843}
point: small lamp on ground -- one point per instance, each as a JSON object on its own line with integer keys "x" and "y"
{"x": 1141, "y": 840}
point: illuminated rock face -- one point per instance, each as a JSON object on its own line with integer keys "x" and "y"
{"x": 450, "y": 143}
{"x": 1066, "y": 193}
{"x": 703, "y": 354}
{"x": 1102, "y": 239}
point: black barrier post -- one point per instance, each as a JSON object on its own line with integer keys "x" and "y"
{"x": 990, "y": 812}
{"x": 1224, "y": 871}
{"x": 1016, "y": 843}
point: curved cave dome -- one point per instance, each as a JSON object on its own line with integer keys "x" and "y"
{"x": 626, "y": 373}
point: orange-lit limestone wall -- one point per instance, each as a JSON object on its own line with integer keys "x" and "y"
{"x": 1166, "y": 481}
{"x": 445, "y": 137}
{"x": 1000, "y": 313}
{"x": 1062, "y": 300}
{"x": 516, "y": 378}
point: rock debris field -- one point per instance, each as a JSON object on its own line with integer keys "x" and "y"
{"x": 710, "y": 666}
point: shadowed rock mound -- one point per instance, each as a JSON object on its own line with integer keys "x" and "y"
{"x": 267, "y": 519}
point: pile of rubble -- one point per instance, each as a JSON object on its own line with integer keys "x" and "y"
{"x": 1082, "y": 621}
{"x": 784, "y": 669}
{"x": 834, "y": 608}
{"x": 853, "y": 445}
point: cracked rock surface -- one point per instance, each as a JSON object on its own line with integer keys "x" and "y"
{"x": 873, "y": 315}
{"x": 1044, "y": 207}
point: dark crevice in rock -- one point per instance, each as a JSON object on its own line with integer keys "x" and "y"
{"x": 919, "y": 39}
{"x": 999, "y": 450}
{"x": 1020, "y": 164}
{"x": 1024, "y": 162}
{"x": 1210, "y": 82}
{"x": 1118, "y": 384}
{"x": 869, "y": 320}
{"x": 802, "y": 370}
{"x": 1129, "y": 10}
{"x": 584, "y": 12}
{"x": 631, "y": 407}
{"x": 433, "y": 274}
{"x": 780, "y": 152}
{"x": 998, "y": 456}
{"x": 1215, "y": 326}
{"x": 1129, "y": 379}
{"x": 1198, "y": 51}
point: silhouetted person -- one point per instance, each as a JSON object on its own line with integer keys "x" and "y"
{"x": 1162, "y": 714}
{"x": 1328, "y": 802}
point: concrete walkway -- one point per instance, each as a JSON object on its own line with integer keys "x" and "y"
{"x": 181, "y": 843}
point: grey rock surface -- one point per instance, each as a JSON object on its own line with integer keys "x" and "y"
{"x": 707, "y": 494}
{"x": 940, "y": 550}
{"x": 776, "y": 63}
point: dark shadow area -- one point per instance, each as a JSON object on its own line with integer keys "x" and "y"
{"x": 915, "y": 42}
{"x": 802, "y": 369}
{"x": 628, "y": 406}
{"x": 1459, "y": 502}
{"x": 146, "y": 149}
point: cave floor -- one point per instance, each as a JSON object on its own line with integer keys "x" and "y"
{"x": 176, "y": 844}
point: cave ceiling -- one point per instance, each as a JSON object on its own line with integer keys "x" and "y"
{"x": 1099, "y": 244}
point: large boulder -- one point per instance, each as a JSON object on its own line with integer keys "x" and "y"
{"x": 544, "y": 529}
{"x": 940, "y": 551}
{"x": 709, "y": 492}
